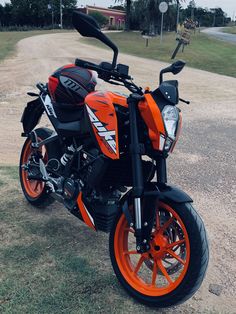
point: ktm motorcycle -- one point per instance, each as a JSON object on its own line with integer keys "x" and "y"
{"x": 105, "y": 160}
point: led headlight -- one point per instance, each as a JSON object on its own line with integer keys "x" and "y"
{"x": 170, "y": 116}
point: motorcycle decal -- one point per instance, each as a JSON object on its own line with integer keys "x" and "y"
{"x": 48, "y": 106}
{"x": 87, "y": 218}
{"x": 74, "y": 86}
{"x": 108, "y": 136}
{"x": 103, "y": 118}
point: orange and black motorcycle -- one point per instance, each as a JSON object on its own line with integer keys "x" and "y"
{"x": 105, "y": 160}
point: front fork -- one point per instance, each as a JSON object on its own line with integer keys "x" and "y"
{"x": 143, "y": 222}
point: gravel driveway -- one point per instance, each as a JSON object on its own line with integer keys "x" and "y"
{"x": 203, "y": 163}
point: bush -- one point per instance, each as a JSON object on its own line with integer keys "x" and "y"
{"x": 116, "y": 28}
{"x": 100, "y": 18}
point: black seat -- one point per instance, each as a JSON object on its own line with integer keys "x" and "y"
{"x": 69, "y": 128}
{"x": 69, "y": 114}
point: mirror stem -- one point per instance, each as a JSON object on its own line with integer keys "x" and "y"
{"x": 114, "y": 62}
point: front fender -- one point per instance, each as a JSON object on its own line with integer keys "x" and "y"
{"x": 164, "y": 192}
{"x": 173, "y": 194}
{"x": 153, "y": 192}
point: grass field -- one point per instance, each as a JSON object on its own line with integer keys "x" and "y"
{"x": 230, "y": 30}
{"x": 203, "y": 53}
{"x": 8, "y": 40}
{"x": 51, "y": 262}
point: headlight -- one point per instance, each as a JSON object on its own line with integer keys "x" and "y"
{"x": 170, "y": 116}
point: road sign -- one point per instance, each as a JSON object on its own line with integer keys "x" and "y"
{"x": 163, "y": 7}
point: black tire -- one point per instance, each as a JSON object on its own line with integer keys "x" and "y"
{"x": 196, "y": 269}
{"x": 52, "y": 149}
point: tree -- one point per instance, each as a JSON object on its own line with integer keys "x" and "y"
{"x": 36, "y": 13}
{"x": 100, "y": 18}
{"x": 192, "y": 5}
{"x": 145, "y": 15}
{"x": 116, "y": 7}
{"x": 128, "y": 4}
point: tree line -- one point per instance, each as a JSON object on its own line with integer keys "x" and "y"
{"x": 141, "y": 14}
{"x": 145, "y": 15}
{"x": 36, "y": 13}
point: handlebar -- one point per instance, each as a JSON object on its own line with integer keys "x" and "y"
{"x": 103, "y": 68}
{"x": 107, "y": 73}
{"x": 86, "y": 64}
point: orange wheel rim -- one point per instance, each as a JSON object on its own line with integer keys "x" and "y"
{"x": 34, "y": 188}
{"x": 160, "y": 270}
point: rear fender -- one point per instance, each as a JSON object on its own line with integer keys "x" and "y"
{"x": 31, "y": 115}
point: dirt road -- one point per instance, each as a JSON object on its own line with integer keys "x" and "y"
{"x": 203, "y": 163}
{"x": 217, "y": 33}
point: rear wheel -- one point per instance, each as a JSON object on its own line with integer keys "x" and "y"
{"x": 35, "y": 191}
{"x": 174, "y": 267}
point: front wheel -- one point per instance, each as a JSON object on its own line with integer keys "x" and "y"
{"x": 174, "y": 267}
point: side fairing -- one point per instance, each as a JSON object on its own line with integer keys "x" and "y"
{"x": 152, "y": 117}
{"x": 103, "y": 119}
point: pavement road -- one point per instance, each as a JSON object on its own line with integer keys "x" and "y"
{"x": 217, "y": 33}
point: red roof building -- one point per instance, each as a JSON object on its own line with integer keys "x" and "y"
{"x": 116, "y": 17}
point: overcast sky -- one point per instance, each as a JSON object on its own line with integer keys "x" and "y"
{"x": 229, "y": 6}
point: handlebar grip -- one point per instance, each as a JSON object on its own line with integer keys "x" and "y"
{"x": 84, "y": 63}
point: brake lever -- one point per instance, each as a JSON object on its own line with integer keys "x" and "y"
{"x": 185, "y": 101}
{"x": 113, "y": 83}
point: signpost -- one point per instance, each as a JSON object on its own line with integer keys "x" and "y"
{"x": 184, "y": 36}
{"x": 163, "y": 7}
{"x": 148, "y": 36}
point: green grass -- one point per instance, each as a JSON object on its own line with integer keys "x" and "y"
{"x": 52, "y": 263}
{"x": 230, "y": 30}
{"x": 204, "y": 52}
{"x": 8, "y": 40}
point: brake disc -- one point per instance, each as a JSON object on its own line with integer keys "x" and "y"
{"x": 173, "y": 233}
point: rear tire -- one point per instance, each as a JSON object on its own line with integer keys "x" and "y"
{"x": 164, "y": 288}
{"x": 36, "y": 192}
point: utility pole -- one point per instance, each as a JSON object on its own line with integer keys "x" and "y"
{"x": 177, "y": 19}
{"x": 61, "y": 14}
{"x": 193, "y": 6}
{"x": 50, "y": 7}
{"x": 214, "y": 18}
{"x": 52, "y": 19}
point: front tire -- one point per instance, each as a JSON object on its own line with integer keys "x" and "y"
{"x": 175, "y": 266}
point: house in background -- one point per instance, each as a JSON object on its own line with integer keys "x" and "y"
{"x": 116, "y": 17}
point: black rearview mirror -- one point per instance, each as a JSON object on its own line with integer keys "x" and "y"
{"x": 174, "y": 68}
{"x": 177, "y": 67}
{"x": 87, "y": 26}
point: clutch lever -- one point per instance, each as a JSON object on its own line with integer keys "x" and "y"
{"x": 185, "y": 101}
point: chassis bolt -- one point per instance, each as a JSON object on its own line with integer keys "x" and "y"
{"x": 131, "y": 225}
{"x": 144, "y": 241}
{"x": 138, "y": 248}
{"x": 145, "y": 224}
